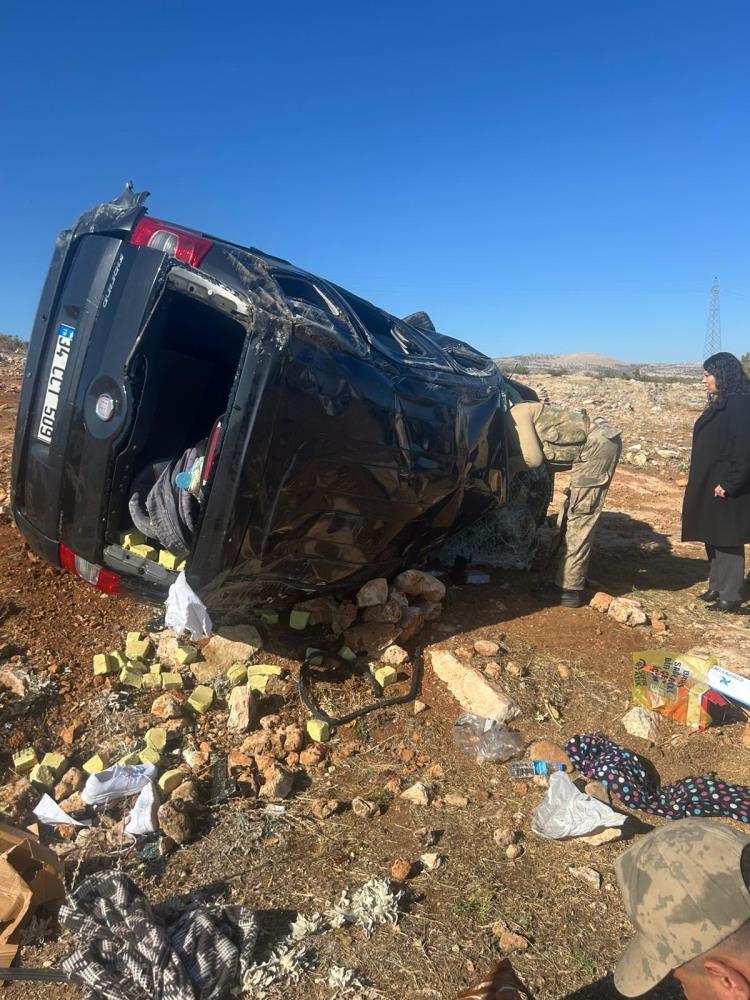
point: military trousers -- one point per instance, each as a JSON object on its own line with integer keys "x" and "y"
{"x": 589, "y": 484}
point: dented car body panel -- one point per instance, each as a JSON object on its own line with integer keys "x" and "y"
{"x": 352, "y": 442}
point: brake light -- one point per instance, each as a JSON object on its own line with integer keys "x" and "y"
{"x": 172, "y": 240}
{"x": 102, "y": 579}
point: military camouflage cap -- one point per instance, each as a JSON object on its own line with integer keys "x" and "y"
{"x": 683, "y": 889}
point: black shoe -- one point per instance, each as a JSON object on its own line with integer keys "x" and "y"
{"x": 710, "y": 595}
{"x": 724, "y": 607}
{"x": 550, "y": 593}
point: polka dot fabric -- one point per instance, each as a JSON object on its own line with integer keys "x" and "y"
{"x": 621, "y": 771}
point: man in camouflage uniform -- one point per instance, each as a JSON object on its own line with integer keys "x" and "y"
{"x": 685, "y": 889}
{"x": 567, "y": 439}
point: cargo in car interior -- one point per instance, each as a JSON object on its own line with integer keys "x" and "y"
{"x": 258, "y": 423}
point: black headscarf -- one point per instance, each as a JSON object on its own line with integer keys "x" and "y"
{"x": 730, "y": 376}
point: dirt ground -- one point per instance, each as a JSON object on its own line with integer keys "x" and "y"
{"x": 285, "y": 863}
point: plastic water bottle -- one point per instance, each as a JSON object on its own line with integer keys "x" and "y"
{"x": 530, "y": 768}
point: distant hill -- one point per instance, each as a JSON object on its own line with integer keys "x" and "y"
{"x": 595, "y": 364}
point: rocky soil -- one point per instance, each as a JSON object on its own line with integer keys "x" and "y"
{"x": 263, "y": 814}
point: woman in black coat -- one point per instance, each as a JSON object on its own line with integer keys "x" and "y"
{"x": 716, "y": 508}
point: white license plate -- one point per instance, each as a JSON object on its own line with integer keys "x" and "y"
{"x": 54, "y": 382}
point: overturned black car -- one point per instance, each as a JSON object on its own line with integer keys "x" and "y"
{"x": 192, "y": 402}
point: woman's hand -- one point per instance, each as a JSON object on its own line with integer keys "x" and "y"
{"x": 720, "y": 492}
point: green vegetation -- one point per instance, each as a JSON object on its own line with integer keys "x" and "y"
{"x": 745, "y": 362}
{"x": 9, "y": 343}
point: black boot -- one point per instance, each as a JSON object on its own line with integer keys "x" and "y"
{"x": 725, "y": 607}
{"x": 709, "y": 595}
{"x": 550, "y": 593}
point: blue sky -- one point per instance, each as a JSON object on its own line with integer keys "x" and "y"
{"x": 546, "y": 177}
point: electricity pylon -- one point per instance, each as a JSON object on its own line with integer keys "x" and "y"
{"x": 713, "y": 326}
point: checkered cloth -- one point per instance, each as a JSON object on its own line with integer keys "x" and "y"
{"x": 127, "y": 952}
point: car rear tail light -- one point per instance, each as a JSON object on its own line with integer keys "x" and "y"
{"x": 211, "y": 453}
{"x": 102, "y": 579}
{"x": 172, "y": 240}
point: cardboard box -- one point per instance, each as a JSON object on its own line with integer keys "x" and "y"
{"x": 31, "y": 876}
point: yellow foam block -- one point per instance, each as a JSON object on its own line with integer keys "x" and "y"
{"x": 168, "y": 559}
{"x": 24, "y": 760}
{"x": 156, "y": 738}
{"x": 42, "y": 777}
{"x": 201, "y": 699}
{"x": 318, "y": 730}
{"x": 58, "y": 763}
{"x": 137, "y": 646}
{"x": 99, "y": 762}
{"x": 259, "y": 682}
{"x": 145, "y": 552}
{"x": 132, "y": 538}
{"x": 171, "y": 780}
{"x": 149, "y": 756}
{"x": 264, "y": 670}
{"x": 385, "y": 676}
{"x": 186, "y": 654}
{"x": 104, "y": 663}
{"x": 171, "y": 681}
{"x": 237, "y": 674}
{"x": 131, "y": 678}
{"x": 150, "y": 682}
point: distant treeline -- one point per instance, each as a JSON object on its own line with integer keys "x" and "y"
{"x": 9, "y": 343}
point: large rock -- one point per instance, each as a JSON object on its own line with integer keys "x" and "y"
{"x": 370, "y": 637}
{"x": 343, "y": 616}
{"x": 243, "y": 709}
{"x": 72, "y": 781}
{"x": 167, "y": 706}
{"x": 412, "y": 620}
{"x": 374, "y": 592}
{"x": 322, "y": 610}
{"x": 601, "y": 601}
{"x": 166, "y": 645}
{"x": 549, "y": 751}
{"x": 627, "y": 612}
{"x": 642, "y": 722}
{"x": 174, "y": 822}
{"x": 388, "y": 612}
{"x": 415, "y": 583}
{"x": 473, "y": 691}
{"x": 394, "y": 656}
{"x": 232, "y": 644}
{"x": 277, "y": 782}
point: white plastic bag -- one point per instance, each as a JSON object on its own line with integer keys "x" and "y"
{"x": 566, "y": 812}
{"x": 186, "y": 611}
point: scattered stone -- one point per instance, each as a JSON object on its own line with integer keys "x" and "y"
{"x": 70, "y": 733}
{"x": 321, "y": 610}
{"x": 515, "y": 669}
{"x": 14, "y": 680}
{"x": 196, "y": 760}
{"x": 627, "y": 612}
{"x": 508, "y": 941}
{"x": 563, "y": 671}
{"x": 187, "y": 791}
{"x": 486, "y": 647}
{"x": 232, "y": 644}
{"x": 431, "y": 610}
{"x": 519, "y": 789}
{"x": 243, "y": 709}
{"x": 588, "y": 875}
{"x": 415, "y": 583}
{"x": 324, "y": 808}
{"x": 174, "y": 821}
{"x": 167, "y": 706}
{"x": 74, "y": 805}
{"x": 605, "y": 837}
{"x": 492, "y": 670}
{"x": 513, "y": 851}
{"x": 456, "y": 800}
{"x": 431, "y": 861}
{"x": 294, "y": 739}
{"x": 72, "y": 781}
{"x": 419, "y": 707}
{"x": 425, "y": 836}
{"x": 18, "y": 799}
{"x": 642, "y": 722}
{"x": 504, "y": 836}
{"x": 549, "y": 751}
{"x": 278, "y": 782}
{"x": 374, "y": 592}
{"x": 474, "y": 692}
{"x": 598, "y": 791}
{"x": 400, "y": 869}
{"x": 313, "y": 756}
{"x": 601, "y": 601}
{"x": 418, "y": 794}
{"x": 394, "y": 656}
{"x": 364, "y": 808}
